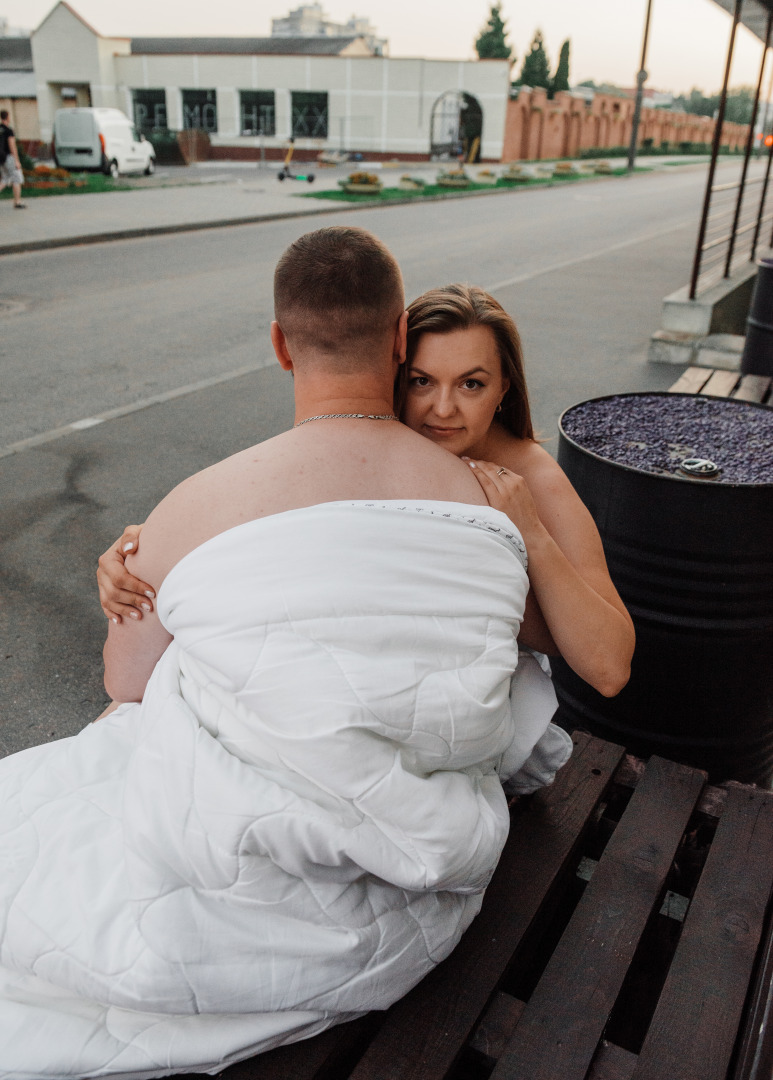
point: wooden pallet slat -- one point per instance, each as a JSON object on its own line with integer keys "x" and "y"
{"x": 753, "y": 388}
{"x": 694, "y": 1027}
{"x": 720, "y": 384}
{"x": 423, "y": 1033}
{"x": 613, "y": 1063}
{"x": 691, "y": 381}
{"x": 563, "y": 1022}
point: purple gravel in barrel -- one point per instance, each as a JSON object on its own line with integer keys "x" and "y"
{"x": 657, "y": 432}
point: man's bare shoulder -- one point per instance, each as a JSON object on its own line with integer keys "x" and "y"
{"x": 200, "y": 507}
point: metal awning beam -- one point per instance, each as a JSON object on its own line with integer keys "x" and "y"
{"x": 755, "y": 14}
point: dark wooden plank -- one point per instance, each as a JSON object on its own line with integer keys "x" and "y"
{"x": 755, "y": 1057}
{"x": 423, "y": 1033}
{"x": 563, "y": 1021}
{"x": 497, "y": 1025}
{"x": 691, "y": 381}
{"x": 753, "y": 388}
{"x": 613, "y": 1063}
{"x": 694, "y": 1028}
{"x": 721, "y": 384}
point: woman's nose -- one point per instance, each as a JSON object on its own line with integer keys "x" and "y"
{"x": 444, "y": 404}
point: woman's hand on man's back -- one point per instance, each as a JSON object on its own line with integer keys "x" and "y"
{"x": 120, "y": 593}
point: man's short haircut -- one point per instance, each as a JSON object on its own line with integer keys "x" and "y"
{"x": 338, "y": 291}
{"x": 3, "y": 114}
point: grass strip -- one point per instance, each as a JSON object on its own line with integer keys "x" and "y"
{"x": 78, "y": 184}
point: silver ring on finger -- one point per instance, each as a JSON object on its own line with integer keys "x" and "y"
{"x": 501, "y": 472}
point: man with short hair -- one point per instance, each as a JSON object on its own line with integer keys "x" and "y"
{"x": 10, "y": 165}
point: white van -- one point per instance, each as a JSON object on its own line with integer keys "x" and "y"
{"x": 101, "y": 139}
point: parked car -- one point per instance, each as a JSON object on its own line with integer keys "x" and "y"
{"x": 101, "y": 140}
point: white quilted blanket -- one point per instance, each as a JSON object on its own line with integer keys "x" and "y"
{"x": 298, "y": 821}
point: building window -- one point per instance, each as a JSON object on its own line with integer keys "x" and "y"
{"x": 200, "y": 110}
{"x": 257, "y": 112}
{"x": 309, "y": 110}
{"x": 150, "y": 109}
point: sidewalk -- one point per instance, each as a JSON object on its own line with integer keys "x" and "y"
{"x": 204, "y": 196}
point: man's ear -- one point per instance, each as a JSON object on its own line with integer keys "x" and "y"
{"x": 279, "y": 342}
{"x": 401, "y": 338}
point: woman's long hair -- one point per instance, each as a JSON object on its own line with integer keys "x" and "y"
{"x": 461, "y": 307}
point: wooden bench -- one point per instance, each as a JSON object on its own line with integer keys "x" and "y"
{"x": 727, "y": 384}
{"x": 625, "y": 936}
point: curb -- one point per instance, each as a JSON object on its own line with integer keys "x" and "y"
{"x": 149, "y": 230}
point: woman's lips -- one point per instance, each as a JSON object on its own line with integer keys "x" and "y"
{"x": 442, "y": 432}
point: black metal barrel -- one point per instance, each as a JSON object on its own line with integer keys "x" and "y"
{"x": 693, "y": 562}
{"x": 757, "y": 357}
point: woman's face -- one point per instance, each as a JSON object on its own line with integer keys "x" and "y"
{"x": 455, "y": 383}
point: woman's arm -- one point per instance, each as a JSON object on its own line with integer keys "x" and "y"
{"x": 581, "y": 608}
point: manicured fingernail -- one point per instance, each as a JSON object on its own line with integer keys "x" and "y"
{"x": 145, "y": 607}
{"x": 113, "y": 619}
{"x": 150, "y": 593}
{"x": 134, "y": 614}
{"x": 471, "y": 464}
{"x": 128, "y": 546}
{"x": 465, "y": 458}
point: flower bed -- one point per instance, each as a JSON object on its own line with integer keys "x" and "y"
{"x": 361, "y": 183}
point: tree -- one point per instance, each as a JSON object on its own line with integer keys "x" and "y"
{"x": 491, "y": 43}
{"x": 738, "y": 110}
{"x": 535, "y": 70}
{"x": 560, "y": 80}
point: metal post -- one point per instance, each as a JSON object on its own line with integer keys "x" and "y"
{"x": 641, "y": 78}
{"x": 748, "y": 151}
{"x": 714, "y": 153}
{"x": 761, "y": 210}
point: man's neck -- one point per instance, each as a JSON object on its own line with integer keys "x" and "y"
{"x": 315, "y": 398}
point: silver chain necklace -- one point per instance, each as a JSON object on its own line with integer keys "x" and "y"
{"x": 347, "y": 416}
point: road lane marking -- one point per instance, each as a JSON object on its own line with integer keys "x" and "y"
{"x": 519, "y": 278}
{"x": 125, "y": 410}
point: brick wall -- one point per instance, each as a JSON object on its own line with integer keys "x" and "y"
{"x": 536, "y": 128}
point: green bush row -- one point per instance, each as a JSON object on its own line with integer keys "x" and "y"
{"x": 648, "y": 148}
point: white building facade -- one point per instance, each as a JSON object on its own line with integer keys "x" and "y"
{"x": 254, "y": 102}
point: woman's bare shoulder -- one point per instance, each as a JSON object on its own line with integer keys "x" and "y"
{"x": 528, "y": 458}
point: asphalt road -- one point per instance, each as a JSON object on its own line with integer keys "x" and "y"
{"x": 124, "y": 327}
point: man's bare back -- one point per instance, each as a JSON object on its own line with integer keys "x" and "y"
{"x": 324, "y": 461}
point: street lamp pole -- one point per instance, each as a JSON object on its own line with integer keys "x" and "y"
{"x": 641, "y": 78}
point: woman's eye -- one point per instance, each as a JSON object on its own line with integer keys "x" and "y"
{"x": 419, "y": 380}
{"x": 472, "y": 384}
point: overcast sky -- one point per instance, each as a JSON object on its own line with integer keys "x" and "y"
{"x": 688, "y": 39}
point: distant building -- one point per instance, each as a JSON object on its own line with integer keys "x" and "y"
{"x": 252, "y": 95}
{"x": 17, "y": 82}
{"x": 309, "y": 20}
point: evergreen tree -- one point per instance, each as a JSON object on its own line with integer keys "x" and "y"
{"x": 560, "y": 80}
{"x": 491, "y": 43}
{"x": 535, "y": 70}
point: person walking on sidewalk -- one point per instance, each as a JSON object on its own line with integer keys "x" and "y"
{"x": 10, "y": 165}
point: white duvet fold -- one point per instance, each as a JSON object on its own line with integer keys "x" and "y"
{"x": 298, "y": 821}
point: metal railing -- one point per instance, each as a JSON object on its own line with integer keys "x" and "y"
{"x": 720, "y": 249}
{"x": 737, "y": 224}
